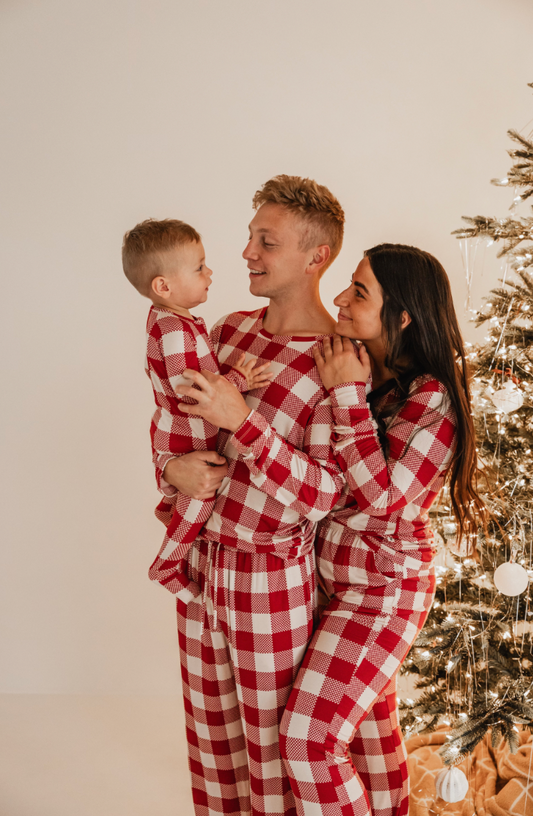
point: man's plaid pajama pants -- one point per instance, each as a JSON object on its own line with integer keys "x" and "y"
{"x": 241, "y": 644}
{"x": 339, "y": 737}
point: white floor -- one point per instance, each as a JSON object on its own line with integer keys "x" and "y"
{"x": 93, "y": 756}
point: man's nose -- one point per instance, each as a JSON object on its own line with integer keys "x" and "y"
{"x": 248, "y": 252}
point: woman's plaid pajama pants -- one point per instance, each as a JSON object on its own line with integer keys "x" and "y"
{"x": 339, "y": 737}
{"x": 241, "y": 644}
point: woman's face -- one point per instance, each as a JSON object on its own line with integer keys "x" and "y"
{"x": 360, "y": 306}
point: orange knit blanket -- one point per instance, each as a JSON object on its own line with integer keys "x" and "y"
{"x": 501, "y": 783}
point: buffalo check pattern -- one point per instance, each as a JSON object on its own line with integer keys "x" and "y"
{"x": 283, "y": 476}
{"x": 174, "y": 343}
{"x": 282, "y": 473}
{"x": 392, "y": 496}
{"x": 340, "y": 736}
{"x": 244, "y": 634}
{"x": 241, "y": 642}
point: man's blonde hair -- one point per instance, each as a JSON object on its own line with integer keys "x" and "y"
{"x": 314, "y": 204}
{"x": 142, "y": 247}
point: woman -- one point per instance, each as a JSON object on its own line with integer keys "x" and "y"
{"x": 396, "y": 445}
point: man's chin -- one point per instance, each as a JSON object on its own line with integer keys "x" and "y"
{"x": 256, "y": 289}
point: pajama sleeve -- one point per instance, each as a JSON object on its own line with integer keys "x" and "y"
{"x": 421, "y": 441}
{"x": 309, "y": 480}
{"x": 237, "y": 379}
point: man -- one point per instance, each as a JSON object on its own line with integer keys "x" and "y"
{"x": 242, "y": 639}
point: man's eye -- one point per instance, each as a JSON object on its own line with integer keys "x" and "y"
{"x": 265, "y": 243}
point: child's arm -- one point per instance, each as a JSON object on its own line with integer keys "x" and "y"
{"x": 247, "y": 376}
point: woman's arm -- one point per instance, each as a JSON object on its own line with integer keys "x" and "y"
{"x": 421, "y": 440}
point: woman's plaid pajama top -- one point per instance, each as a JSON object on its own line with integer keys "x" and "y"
{"x": 243, "y": 638}
{"x": 340, "y": 736}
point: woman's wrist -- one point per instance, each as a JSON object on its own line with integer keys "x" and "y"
{"x": 346, "y": 384}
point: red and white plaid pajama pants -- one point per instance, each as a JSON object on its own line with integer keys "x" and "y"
{"x": 241, "y": 644}
{"x": 340, "y": 737}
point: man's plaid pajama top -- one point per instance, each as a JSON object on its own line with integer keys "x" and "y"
{"x": 242, "y": 639}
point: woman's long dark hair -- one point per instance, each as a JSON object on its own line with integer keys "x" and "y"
{"x": 415, "y": 282}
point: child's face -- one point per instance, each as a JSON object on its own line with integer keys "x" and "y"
{"x": 186, "y": 277}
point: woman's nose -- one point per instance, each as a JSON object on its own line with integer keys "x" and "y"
{"x": 342, "y": 299}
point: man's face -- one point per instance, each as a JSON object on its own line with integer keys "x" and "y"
{"x": 275, "y": 261}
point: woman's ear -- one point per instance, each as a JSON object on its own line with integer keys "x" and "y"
{"x": 406, "y": 319}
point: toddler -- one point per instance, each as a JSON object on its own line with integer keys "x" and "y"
{"x": 165, "y": 262}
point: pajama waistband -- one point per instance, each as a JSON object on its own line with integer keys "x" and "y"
{"x": 374, "y": 575}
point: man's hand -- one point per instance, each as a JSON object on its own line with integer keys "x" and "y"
{"x": 218, "y": 401}
{"x": 197, "y": 474}
{"x": 339, "y": 362}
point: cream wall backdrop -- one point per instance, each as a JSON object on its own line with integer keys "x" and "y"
{"x": 119, "y": 110}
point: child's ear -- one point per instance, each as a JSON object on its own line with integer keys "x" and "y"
{"x": 160, "y": 287}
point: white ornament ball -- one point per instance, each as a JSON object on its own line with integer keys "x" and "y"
{"x": 509, "y": 398}
{"x": 449, "y": 528}
{"x": 451, "y": 785}
{"x": 511, "y": 579}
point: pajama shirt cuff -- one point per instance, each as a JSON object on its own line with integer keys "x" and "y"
{"x": 348, "y": 402}
{"x": 237, "y": 379}
{"x": 352, "y": 419}
{"x": 165, "y": 487}
{"x": 249, "y": 439}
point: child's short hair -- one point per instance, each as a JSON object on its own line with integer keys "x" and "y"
{"x": 143, "y": 245}
{"x": 318, "y": 208}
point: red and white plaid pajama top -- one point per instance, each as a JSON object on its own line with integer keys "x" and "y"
{"x": 340, "y": 736}
{"x": 242, "y": 640}
{"x": 174, "y": 343}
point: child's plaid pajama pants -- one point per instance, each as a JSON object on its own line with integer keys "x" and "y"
{"x": 340, "y": 736}
{"x": 238, "y": 667}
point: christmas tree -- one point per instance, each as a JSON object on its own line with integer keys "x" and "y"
{"x": 474, "y": 657}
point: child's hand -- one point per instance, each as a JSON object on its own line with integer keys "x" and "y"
{"x": 255, "y": 375}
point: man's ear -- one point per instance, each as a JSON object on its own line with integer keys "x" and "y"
{"x": 406, "y": 319}
{"x": 160, "y": 287}
{"x": 320, "y": 257}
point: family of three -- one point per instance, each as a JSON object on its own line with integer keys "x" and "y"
{"x": 298, "y": 456}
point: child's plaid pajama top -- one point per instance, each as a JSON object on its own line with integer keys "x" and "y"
{"x": 173, "y": 344}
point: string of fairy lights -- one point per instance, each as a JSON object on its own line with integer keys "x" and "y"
{"x": 474, "y": 658}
